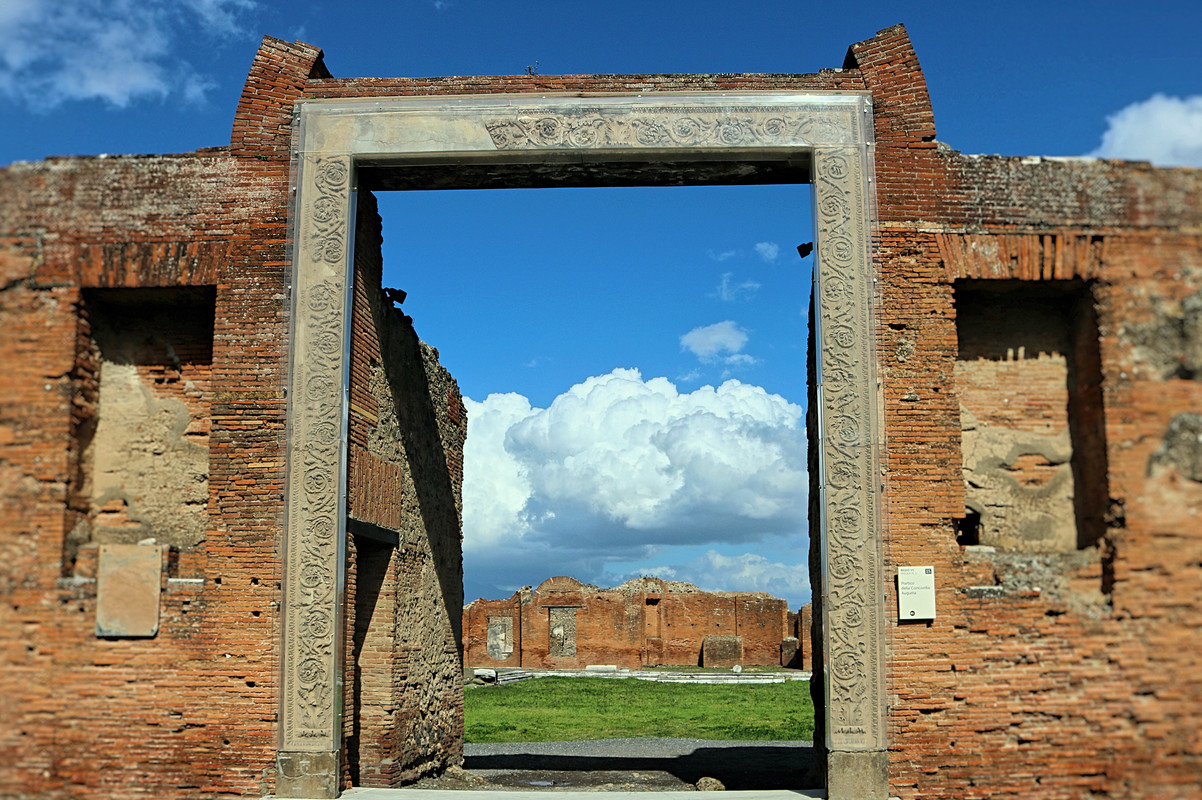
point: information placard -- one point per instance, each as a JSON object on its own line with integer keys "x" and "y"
{"x": 915, "y": 593}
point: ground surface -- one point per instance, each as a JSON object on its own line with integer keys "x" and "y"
{"x": 631, "y": 765}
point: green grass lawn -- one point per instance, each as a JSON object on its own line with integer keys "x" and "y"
{"x": 563, "y": 709}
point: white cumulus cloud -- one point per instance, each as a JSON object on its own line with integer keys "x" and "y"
{"x": 118, "y": 51}
{"x": 619, "y": 468}
{"x": 495, "y": 488}
{"x": 767, "y": 250}
{"x": 711, "y": 341}
{"x": 1164, "y": 130}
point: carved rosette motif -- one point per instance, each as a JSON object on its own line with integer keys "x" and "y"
{"x": 855, "y": 675}
{"x": 671, "y": 127}
{"x": 308, "y": 711}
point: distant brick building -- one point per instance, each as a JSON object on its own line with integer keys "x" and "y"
{"x": 649, "y": 622}
{"x": 1011, "y": 391}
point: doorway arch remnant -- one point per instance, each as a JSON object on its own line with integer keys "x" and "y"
{"x": 824, "y": 138}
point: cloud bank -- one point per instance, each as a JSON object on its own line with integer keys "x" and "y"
{"x": 622, "y": 469}
{"x": 117, "y": 51}
{"x": 1164, "y": 130}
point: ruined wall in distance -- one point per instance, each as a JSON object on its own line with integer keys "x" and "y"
{"x": 647, "y": 622}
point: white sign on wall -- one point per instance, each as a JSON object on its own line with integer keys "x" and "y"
{"x": 915, "y": 593}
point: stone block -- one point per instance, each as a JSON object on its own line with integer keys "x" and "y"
{"x": 788, "y": 651}
{"x": 127, "y": 591}
{"x": 721, "y": 651}
{"x": 857, "y": 775}
{"x": 307, "y": 775}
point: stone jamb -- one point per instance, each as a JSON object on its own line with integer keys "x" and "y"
{"x": 334, "y": 139}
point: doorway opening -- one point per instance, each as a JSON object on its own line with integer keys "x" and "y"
{"x": 571, "y": 311}
{"x": 787, "y": 137}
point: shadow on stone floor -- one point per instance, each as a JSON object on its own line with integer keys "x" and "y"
{"x": 737, "y": 767}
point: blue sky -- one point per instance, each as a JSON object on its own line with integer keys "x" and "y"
{"x": 634, "y": 359}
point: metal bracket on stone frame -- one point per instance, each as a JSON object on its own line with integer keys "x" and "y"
{"x": 333, "y": 139}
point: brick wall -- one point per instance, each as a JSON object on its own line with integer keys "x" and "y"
{"x": 800, "y": 628}
{"x": 186, "y": 711}
{"x": 564, "y": 624}
{"x": 404, "y": 665}
{"x": 1066, "y": 674}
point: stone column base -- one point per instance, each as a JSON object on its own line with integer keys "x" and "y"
{"x": 307, "y": 775}
{"x": 857, "y": 775}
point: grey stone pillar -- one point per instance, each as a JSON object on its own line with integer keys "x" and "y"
{"x": 310, "y": 727}
{"x": 850, "y": 432}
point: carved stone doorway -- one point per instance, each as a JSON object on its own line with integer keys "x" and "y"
{"x": 820, "y": 138}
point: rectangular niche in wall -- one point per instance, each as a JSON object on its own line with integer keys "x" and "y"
{"x": 500, "y": 638}
{"x": 143, "y": 373}
{"x": 1028, "y": 373}
{"x": 562, "y": 622}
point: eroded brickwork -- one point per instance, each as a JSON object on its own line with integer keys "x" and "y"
{"x": 143, "y": 447}
{"x": 1067, "y": 674}
{"x": 183, "y": 711}
{"x": 645, "y": 622}
{"x": 144, "y": 303}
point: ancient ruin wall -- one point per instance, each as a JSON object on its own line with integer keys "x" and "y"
{"x": 1088, "y": 686}
{"x": 1068, "y": 674}
{"x": 1014, "y": 363}
{"x": 144, "y": 449}
{"x": 202, "y": 239}
{"x": 404, "y": 666}
{"x": 194, "y": 708}
{"x": 564, "y": 624}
